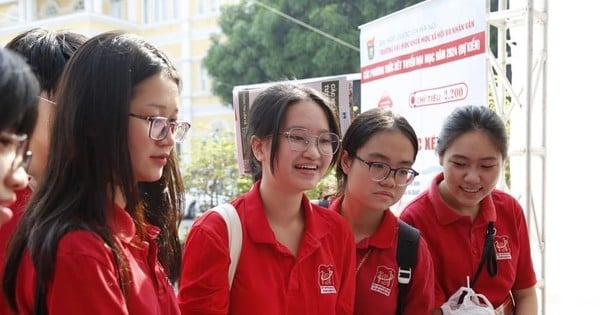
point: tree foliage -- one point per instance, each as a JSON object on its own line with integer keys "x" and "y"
{"x": 212, "y": 175}
{"x": 258, "y": 45}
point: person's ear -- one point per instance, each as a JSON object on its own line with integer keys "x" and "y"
{"x": 345, "y": 161}
{"x": 259, "y": 148}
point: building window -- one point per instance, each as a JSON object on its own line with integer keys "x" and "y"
{"x": 201, "y": 8}
{"x": 159, "y": 11}
{"x": 79, "y": 6}
{"x": 146, "y": 13}
{"x": 117, "y": 8}
{"x": 175, "y": 9}
{"x": 214, "y": 6}
{"x": 51, "y": 9}
{"x": 202, "y": 78}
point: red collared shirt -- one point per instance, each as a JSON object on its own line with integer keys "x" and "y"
{"x": 456, "y": 243}
{"x": 269, "y": 278}
{"x": 377, "y": 275}
{"x": 86, "y": 281}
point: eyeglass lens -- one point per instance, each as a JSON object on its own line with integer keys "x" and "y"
{"x": 159, "y": 128}
{"x": 19, "y": 145}
{"x": 381, "y": 171}
{"x": 300, "y": 139}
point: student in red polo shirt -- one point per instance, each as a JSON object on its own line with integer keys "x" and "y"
{"x": 379, "y": 149}
{"x": 296, "y": 258}
{"x": 18, "y": 105}
{"x": 86, "y": 244}
{"x": 47, "y": 53}
{"x": 462, "y": 204}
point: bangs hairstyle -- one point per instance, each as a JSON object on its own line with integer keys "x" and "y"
{"x": 19, "y": 90}
{"x": 267, "y": 114}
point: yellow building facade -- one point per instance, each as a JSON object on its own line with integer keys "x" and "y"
{"x": 181, "y": 28}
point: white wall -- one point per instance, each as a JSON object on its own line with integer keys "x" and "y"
{"x": 573, "y": 138}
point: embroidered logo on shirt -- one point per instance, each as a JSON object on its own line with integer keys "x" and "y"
{"x": 502, "y": 247}
{"x": 383, "y": 280}
{"x": 326, "y": 279}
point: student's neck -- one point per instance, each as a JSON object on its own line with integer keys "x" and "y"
{"x": 449, "y": 200}
{"x": 364, "y": 222}
{"x": 284, "y": 214}
{"x": 281, "y": 207}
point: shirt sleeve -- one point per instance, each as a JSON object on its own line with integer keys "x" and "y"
{"x": 204, "y": 285}
{"x": 420, "y": 297}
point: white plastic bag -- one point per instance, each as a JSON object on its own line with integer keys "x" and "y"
{"x": 473, "y": 304}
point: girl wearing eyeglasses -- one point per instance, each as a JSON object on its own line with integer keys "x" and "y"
{"x": 18, "y": 108}
{"x": 462, "y": 207}
{"x": 99, "y": 235}
{"x": 296, "y": 257}
{"x": 379, "y": 149}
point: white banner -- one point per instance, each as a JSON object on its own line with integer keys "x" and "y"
{"x": 422, "y": 62}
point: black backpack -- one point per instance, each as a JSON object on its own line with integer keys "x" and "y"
{"x": 406, "y": 256}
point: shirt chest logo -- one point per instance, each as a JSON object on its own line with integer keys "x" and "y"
{"x": 502, "y": 247}
{"x": 326, "y": 279}
{"x": 383, "y": 281}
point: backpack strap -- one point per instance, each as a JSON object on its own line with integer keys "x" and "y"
{"x": 406, "y": 255}
{"x": 234, "y": 232}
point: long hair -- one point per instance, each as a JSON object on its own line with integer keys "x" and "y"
{"x": 90, "y": 158}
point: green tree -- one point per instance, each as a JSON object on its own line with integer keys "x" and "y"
{"x": 212, "y": 175}
{"x": 259, "y": 45}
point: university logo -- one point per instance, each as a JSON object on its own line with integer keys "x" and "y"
{"x": 383, "y": 280}
{"x": 502, "y": 247}
{"x": 326, "y": 279}
{"x": 371, "y": 48}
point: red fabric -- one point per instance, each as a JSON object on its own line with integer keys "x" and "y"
{"x": 456, "y": 243}
{"x": 377, "y": 278}
{"x": 6, "y": 232}
{"x": 8, "y": 228}
{"x": 85, "y": 278}
{"x": 269, "y": 279}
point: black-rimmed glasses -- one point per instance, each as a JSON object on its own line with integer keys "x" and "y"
{"x": 160, "y": 126}
{"x": 299, "y": 139}
{"x": 379, "y": 171}
{"x": 20, "y": 145}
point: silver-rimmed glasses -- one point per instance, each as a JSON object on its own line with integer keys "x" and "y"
{"x": 160, "y": 126}
{"x": 47, "y": 100}
{"x": 379, "y": 171}
{"x": 299, "y": 139}
{"x": 18, "y": 144}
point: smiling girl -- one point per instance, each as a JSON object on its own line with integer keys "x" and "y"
{"x": 296, "y": 257}
{"x": 462, "y": 205}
